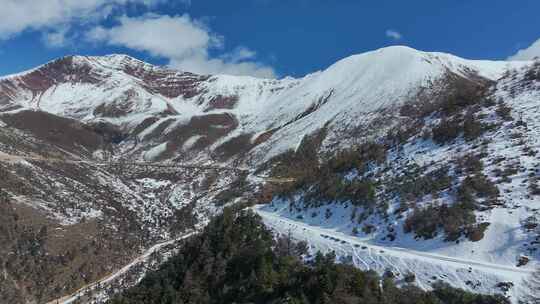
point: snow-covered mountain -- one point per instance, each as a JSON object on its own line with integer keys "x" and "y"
{"x": 172, "y": 112}
{"x": 396, "y": 119}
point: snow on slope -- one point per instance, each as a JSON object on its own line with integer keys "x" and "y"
{"x": 59, "y": 90}
{"x": 351, "y": 93}
{"x": 123, "y": 92}
{"x": 475, "y": 276}
{"x": 512, "y": 146}
{"x": 356, "y": 86}
{"x": 361, "y": 85}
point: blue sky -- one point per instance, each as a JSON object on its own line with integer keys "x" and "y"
{"x": 264, "y": 38}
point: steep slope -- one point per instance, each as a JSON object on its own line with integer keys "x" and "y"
{"x": 67, "y": 220}
{"x": 458, "y": 182}
{"x": 170, "y": 114}
{"x": 237, "y": 260}
{"x": 381, "y": 140}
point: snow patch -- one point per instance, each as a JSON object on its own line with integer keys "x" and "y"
{"x": 155, "y": 152}
{"x": 190, "y": 142}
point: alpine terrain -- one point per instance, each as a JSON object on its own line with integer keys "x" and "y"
{"x": 422, "y": 167}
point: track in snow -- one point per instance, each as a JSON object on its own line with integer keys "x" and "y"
{"x": 388, "y": 250}
{"x": 476, "y": 276}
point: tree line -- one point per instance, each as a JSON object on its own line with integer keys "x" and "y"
{"x": 236, "y": 259}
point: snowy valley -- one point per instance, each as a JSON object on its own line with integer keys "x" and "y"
{"x": 416, "y": 163}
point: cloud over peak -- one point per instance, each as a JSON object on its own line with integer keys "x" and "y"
{"x": 160, "y": 36}
{"x": 46, "y": 15}
{"x": 393, "y": 34}
{"x": 184, "y": 41}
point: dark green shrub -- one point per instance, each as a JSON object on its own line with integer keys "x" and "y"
{"x": 504, "y": 111}
{"x": 423, "y": 222}
{"x": 471, "y": 163}
{"x": 237, "y": 260}
{"x": 414, "y": 187}
{"x": 478, "y": 185}
{"x": 360, "y": 192}
{"x": 446, "y": 131}
{"x": 473, "y": 127}
{"x": 476, "y": 233}
{"x": 454, "y": 220}
{"x": 409, "y": 277}
{"x": 367, "y": 229}
{"x": 534, "y": 188}
{"x": 449, "y": 295}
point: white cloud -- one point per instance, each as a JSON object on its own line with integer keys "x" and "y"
{"x": 240, "y": 54}
{"x": 185, "y": 42}
{"x": 393, "y": 34}
{"x": 20, "y": 15}
{"x": 203, "y": 65}
{"x": 57, "y": 38}
{"x": 162, "y": 36}
{"x": 528, "y": 53}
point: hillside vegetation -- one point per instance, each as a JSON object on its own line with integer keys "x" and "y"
{"x": 237, "y": 260}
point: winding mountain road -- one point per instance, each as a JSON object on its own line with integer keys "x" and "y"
{"x": 67, "y": 299}
{"x": 283, "y": 224}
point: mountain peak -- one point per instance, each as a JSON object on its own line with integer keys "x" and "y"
{"x": 118, "y": 59}
{"x": 108, "y": 57}
{"x": 112, "y": 61}
{"x": 400, "y": 57}
{"x": 397, "y": 49}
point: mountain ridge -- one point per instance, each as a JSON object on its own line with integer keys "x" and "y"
{"x": 127, "y": 93}
{"x": 122, "y": 57}
{"x": 368, "y": 147}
